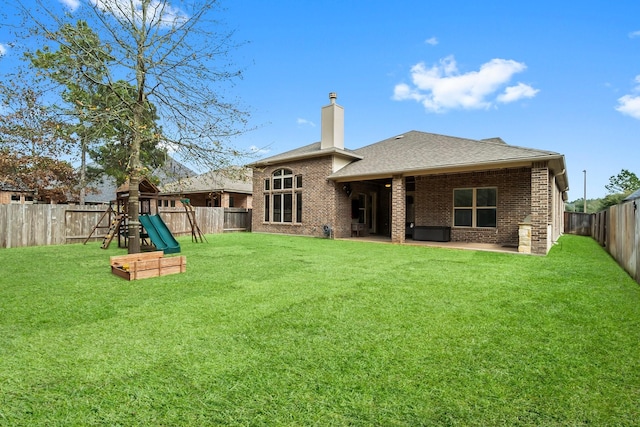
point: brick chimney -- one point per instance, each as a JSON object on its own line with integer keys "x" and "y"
{"x": 332, "y": 135}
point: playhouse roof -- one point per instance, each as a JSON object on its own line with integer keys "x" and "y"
{"x": 145, "y": 187}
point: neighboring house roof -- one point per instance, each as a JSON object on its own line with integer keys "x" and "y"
{"x": 233, "y": 180}
{"x": 104, "y": 187}
{"x": 172, "y": 170}
{"x": 633, "y": 196}
{"x": 15, "y": 186}
{"x": 103, "y": 190}
{"x": 306, "y": 152}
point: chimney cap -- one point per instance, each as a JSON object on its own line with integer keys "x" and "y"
{"x": 333, "y": 96}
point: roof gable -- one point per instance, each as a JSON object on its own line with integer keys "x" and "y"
{"x": 306, "y": 152}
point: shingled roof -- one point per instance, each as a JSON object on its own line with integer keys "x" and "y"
{"x": 231, "y": 180}
{"x": 14, "y": 185}
{"x": 633, "y": 196}
{"x": 421, "y": 153}
{"x": 306, "y": 152}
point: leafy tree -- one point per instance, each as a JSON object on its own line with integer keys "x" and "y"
{"x": 612, "y": 200}
{"x": 578, "y": 205}
{"x": 99, "y": 111}
{"x": 173, "y": 57}
{"x": 114, "y": 151}
{"x": 31, "y": 144}
{"x": 79, "y": 65}
{"x": 619, "y": 187}
{"x": 625, "y": 183}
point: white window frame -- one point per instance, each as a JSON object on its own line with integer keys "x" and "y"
{"x": 283, "y": 192}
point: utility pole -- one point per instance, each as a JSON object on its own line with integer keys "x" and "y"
{"x": 585, "y": 191}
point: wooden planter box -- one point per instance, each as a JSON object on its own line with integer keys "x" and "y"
{"x": 147, "y": 264}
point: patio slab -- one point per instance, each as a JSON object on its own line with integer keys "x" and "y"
{"x": 488, "y": 247}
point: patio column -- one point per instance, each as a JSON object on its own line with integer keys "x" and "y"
{"x": 398, "y": 209}
{"x": 539, "y": 208}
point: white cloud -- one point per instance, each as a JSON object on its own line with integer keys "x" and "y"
{"x": 3, "y": 49}
{"x": 442, "y": 87}
{"x": 72, "y": 5}
{"x": 515, "y": 93}
{"x": 634, "y": 34}
{"x": 432, "y": 41}
{"x": 159, "y": 12}
{"x": 630, "y": 104}
{"x": 305, "y": 122}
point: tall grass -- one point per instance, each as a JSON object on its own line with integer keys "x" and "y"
{"x": 277, "y": 330}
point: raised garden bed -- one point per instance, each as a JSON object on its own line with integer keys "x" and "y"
{"x": 147, "y": 264}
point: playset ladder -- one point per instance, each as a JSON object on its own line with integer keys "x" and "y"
{"x": 191, "y": 215}
{"x": 106, "y": 213}
{"x": 114, "y": 228}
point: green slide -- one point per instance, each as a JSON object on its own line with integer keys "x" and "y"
{"x": 159, "y": 234}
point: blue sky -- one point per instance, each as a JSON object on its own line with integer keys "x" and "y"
{"x": 559, "y": 76}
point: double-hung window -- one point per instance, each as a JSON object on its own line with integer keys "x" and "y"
{"x": 283, "y": 197}
{"x": 475, "y": 207}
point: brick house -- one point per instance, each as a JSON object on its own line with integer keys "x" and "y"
{"x": 227, "y": 188}
{"x": 416, "y": 185}
{"x": 11, "y": 192}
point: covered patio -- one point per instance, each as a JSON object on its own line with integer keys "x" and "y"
{"x": 485, "y": 247}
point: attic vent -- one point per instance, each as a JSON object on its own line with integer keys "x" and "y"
{"x": 399, "y": 137}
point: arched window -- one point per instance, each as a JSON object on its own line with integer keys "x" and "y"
{"x": 283, "y": 197}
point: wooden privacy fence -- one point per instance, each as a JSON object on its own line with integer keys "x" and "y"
{"x": 40, "y": 224}
{"x": 236, "y": 219}
{"x": 617, "y": 229}
{"x": 578, "y": 223}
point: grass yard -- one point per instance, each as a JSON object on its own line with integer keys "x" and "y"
{"x": 278, "y": 330}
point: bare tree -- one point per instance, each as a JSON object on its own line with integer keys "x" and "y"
{"x": 176, "y": 56}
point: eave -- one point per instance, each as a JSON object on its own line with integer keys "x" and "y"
{"x": 276, "y": 160}
{"x": 556, "y": 165}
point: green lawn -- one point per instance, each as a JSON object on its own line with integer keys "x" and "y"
{"x": 277, "y": 330}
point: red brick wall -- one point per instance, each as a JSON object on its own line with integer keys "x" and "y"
{"x": 540, "y": 215}
{"x": 381, "y": 217}
{"x": 323, "y": 201}
{"x": 434, "y": 203}
{"x": 398, "y": 209}
{"x": 5, "y": 197}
